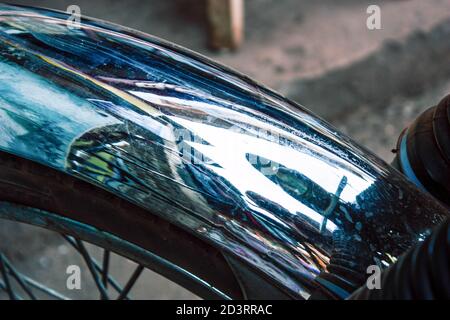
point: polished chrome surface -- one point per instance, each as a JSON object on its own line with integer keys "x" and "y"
{"x": 206, "y": 148}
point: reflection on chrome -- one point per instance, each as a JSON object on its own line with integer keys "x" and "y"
{"x": 243, "y": 168}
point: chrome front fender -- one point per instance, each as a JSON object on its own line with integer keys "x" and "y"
{"x": 248, "y": 171}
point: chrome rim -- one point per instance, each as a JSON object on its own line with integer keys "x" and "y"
{"x": 18, "y": 285}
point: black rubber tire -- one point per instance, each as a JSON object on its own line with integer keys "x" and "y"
{"x": 31, "y": 184}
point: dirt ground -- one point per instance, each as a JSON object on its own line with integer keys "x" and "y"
{"x": 368, "y": 83}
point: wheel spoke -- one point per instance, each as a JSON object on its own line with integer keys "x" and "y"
{"x": 18, "y": 276}
{"x": 24, "y": 281}
{"x": 99, "y": 273}
{"x": 3, "y": 287}
{"x": 131, "y": 282}
{"x": 105, "y": 267}
{"x": 111, "y": 280}
{"x": 87, "y": 258}
{"x": 97, "y": 266}
{"x": 43, "y": 288}
{"x": 6, "y": 281}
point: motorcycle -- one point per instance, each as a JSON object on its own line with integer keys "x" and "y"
{"x": 114, "y": 137}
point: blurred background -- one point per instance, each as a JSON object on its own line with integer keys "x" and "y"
{"x": 320, "y": 53}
